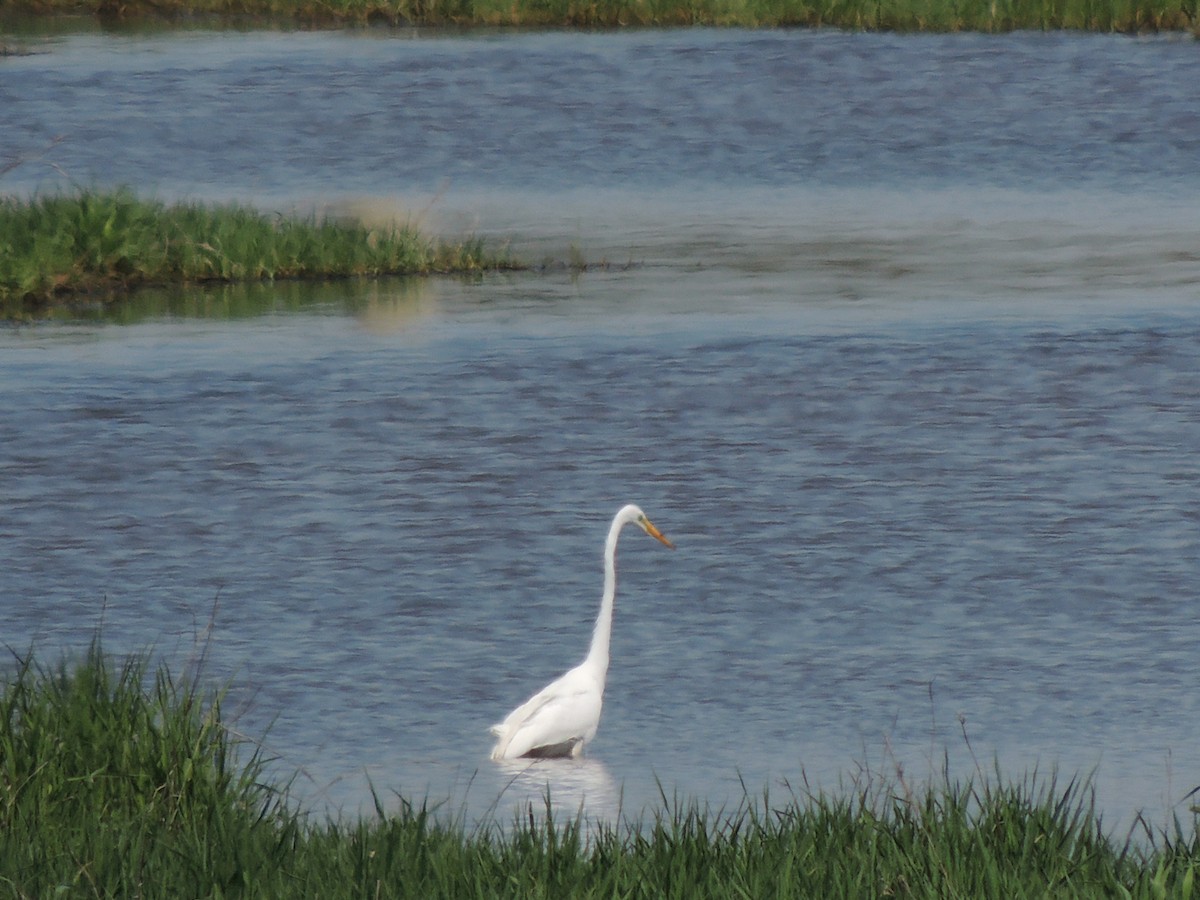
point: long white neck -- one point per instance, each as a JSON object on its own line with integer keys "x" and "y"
{"x": 598, "y": 655}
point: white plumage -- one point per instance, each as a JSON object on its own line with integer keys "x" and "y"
{"x": 563, "y": 716}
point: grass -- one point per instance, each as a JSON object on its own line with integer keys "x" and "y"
{"x": 105, "y": 243}
{"x": 119, "y": 782}
{"x": 116, "y": 784}
{"x": 1128, "y": 16}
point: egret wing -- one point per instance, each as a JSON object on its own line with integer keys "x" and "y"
{"x": 565, "y": 712}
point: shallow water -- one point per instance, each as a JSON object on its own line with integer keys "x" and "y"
{"x": 402, "y": 114}
{"x": 918, "y": 404}
{"x": 880, "y": 530}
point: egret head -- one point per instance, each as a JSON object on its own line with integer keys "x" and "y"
{"x": 647, "y": 526}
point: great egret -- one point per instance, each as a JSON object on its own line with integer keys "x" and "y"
{"x": 563, "y": 716}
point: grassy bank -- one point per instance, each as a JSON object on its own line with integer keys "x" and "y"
{"x": 900, "y": 15}
{"x": 116, "y": 781}
{"x": 57, "y": 248}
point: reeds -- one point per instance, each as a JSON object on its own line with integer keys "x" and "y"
{"x": 118, "y": 783}
{"x": 103, "y": 242}
{"x": 1126, "y": 16}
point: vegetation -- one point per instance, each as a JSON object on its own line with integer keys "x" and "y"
{"x": 99, "y": 243}
{"x": 900, "y": 15}
{"x": 116, "y": 783}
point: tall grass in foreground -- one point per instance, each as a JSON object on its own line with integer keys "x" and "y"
{"x": 118, "y": 783}
{"x": 93, "y": 242}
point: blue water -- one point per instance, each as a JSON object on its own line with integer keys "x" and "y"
{"x": 386, "y": 112}
{"x": 898, "y": 339}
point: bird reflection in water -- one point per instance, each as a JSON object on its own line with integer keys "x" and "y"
{"x": 572, "y": 787}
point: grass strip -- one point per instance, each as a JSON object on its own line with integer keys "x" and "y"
{"x": 1126, "y": 16}
{"x": 105, "y": 243}
{"x": 119, "y": 782}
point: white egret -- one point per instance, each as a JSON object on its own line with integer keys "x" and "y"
{"x": 563, "y": 716}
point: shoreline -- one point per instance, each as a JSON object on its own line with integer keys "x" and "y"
{"x": 900, "y": 16}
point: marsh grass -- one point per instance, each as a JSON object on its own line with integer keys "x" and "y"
{"x": 1127, "y": 16}
{"x": 119, "y": 782}
{"x": 104, "y": 243}
{"x": 116, "y": 782}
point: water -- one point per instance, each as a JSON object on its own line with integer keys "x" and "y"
{"x": 381, "y": 112}
{"x": 915, "y": 392}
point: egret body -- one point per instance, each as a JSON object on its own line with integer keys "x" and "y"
{"x": 563, "y": 716}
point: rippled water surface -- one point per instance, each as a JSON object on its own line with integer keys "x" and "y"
{"x": 898, "y": 340}
{"x": 381, "y": 113}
